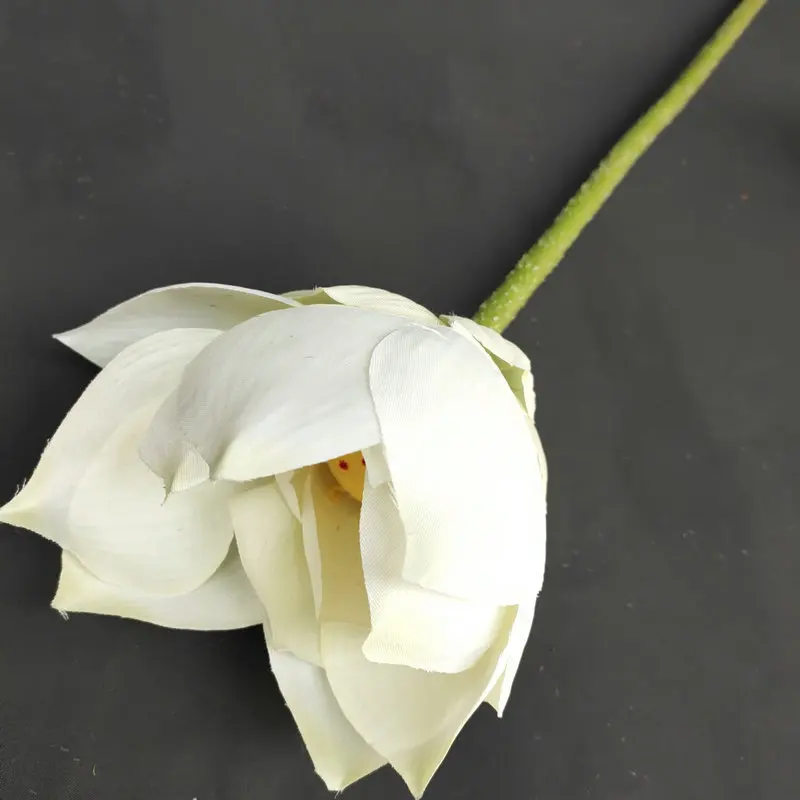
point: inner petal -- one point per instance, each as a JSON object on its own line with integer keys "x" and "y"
{"x": 331, "y": 520}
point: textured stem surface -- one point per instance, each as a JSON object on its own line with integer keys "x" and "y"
{"x": 503, "y": 305}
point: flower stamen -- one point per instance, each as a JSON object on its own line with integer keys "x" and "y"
{"x": 350, "y": 472}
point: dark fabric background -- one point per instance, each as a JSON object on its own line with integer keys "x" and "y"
{"x": 421, "y": 147}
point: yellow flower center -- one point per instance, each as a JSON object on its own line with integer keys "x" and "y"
{"x": 349, "y": 472}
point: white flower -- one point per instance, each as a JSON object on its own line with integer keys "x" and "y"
{"x": 341, "y": 466}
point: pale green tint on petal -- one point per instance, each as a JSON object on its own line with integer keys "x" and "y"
{"x": 331, "y": 518}
{"x": 409, "y": 716}
{"x": 340, "y": 755}
{"x": 279, "y": 392}
{"x": 413, "y": 626}
{"x": 92, "y": 495}
{"x": 518, "y": 638}
{"x": 464, "y": 467}
{"x": 311, "y": 548}
{"x": 540, "y": 456}
{"x": 510, "y": 359}
{"x": 270, "y": 543}
{"x": 493, "y": 698}
{"x": 226, "y": 601}
{"x": 492, "y": 341}
{"x": 285, "y": 481}
{"x": 368, "y": 298}
{"x": 188, "y": 305}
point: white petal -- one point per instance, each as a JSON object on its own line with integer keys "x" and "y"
{"x": 330, "y": 520}
{"x": 493, "y": 698}
{"x": 409, "y": 716}
{"x": 541, "y": 459}
{"x": 92, "y": 495}
{"x": 125, "y": 531}
{"x": 492, "y": 341}
{"x": 270, "y": 545}
{"x": 377, "y": 468}
{"x": 340, "y": 755}
{"x": 285, "y": 481}
{"x": 311, "y": 541}
{"x": 224, "y": 602}
{"x": 368, "y": 298}
{"x": 518, "y": 638}
{"x": 187, "y": 468}
{"x": 521, "y": 629}
{"x": 464, "y": 468}
{"x": 413, "y": 626}
{"x": 282, "y": 391}
{"x": 525, "y": 388}
{"x": 512, "y": 362}
{"x": 188, "y": 305}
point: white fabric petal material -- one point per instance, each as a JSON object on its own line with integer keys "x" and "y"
{"x": 226, "y": 601}
{"x": 377, "y": 468}
{"x": 310, "y": 539}
{"x": 521, "y": 628}
{"x": 188, "y": 305}
{"x": 413, "y": 626}
{"x": 368, "y": 298}
{"x": 492, "y": 341}
{"x": 281, "y": 391}
{"x": 464, "y": 468}
{"x": 541, "y": 459}
{"x": 285, "y": 481}
{"x": 270, "y": 543}
{"x": 511, "y": 360}
{"x": 518, "y": 638}
{"x": 330, "y": 520}
{"x": 409, "y": 716}
{"x": 340, "y": 755}
{"x": 92, "y": 495}
{"x": 523, "y": 623}
{"x": 183, "y": 466}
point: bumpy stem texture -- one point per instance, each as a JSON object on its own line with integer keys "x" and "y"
{"x": 500, "y": 309}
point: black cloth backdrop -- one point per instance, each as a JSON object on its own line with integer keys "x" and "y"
{"x": 421, "y": 147}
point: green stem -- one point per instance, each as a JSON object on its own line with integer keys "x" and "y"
{"x": 503, "y": 305}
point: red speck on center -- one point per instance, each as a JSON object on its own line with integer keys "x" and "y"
{"x": 343, "y": 464}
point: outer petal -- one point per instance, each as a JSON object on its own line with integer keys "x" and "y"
{"x": 369, "y": 298}
{"x": 188, "y": 305}
{"x": 413, "y": 626}
{"x": 339, "y": 754}
{"x": 182, "y": 467}
{"x": 521, "y": 628}
{"x": 409, "y": 716}
{"x": 92, "y": 495}
{"x": 279, "y": 392}
{"x": 512, "y": 362}
{"x": 270, "y": 543}
{"x": 541, "y": 459}
{"x": 224, "y": 602}
{"x": 464, "y": 467}
{"x": 492, "y": 341}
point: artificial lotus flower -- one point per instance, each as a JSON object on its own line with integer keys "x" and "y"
{"x": 341, "y": 466}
